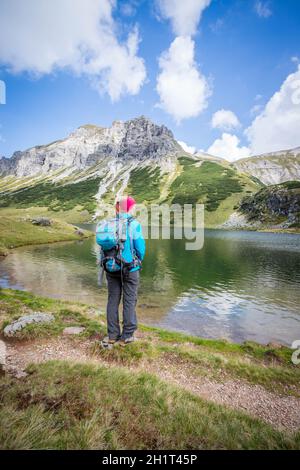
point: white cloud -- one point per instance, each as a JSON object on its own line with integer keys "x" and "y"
{"x": 184, "y": 14}
{"x": 40, "y": 37}
{"x": 295, "y": 59}
{"x": 228, "y": 147}
{"x": 277, "y": 127}
{"x": 224, "y": 119}
{"x": 187, "y": 148}
{"x": 182, "y": 89}
{"x": 129, "y": 8}
{"x": 256, "y": 109}
{"x": 263, "y": 9}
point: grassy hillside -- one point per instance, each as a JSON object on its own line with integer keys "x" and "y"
{"x": 54, "y": 196}
{"x": 209, "y": 183}
{"x": 18, "y": 231}
{"x": 126, "y": 398}
{"x": 144, "y": 184}
{"x": 218, "y": 186}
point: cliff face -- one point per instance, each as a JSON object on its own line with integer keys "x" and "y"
{"x": 138, "y": 139}
{"x": 278, "y": 204}
{"x": 272, "y": 168}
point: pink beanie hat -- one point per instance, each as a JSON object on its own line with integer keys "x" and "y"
{"x": 125, "y": 204}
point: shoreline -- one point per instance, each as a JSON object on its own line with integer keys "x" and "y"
{"x": 5, "y": 251}
{"x": 190, "y": 391}
{"x": 16, "y": 231}
{"x": 175, "y": 333}
{"x": 66, "y": 240}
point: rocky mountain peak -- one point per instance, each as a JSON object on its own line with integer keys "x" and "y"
{"x": 136, "y": 139}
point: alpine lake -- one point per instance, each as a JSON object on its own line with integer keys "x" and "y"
{"x": 240, "y": 286}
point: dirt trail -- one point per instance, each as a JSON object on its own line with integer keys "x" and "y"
{"x": 282, "y": 412}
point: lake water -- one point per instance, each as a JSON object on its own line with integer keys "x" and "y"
{"x": 240, "y": 286}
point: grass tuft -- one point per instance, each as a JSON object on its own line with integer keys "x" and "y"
{"x": 77, "y": 406}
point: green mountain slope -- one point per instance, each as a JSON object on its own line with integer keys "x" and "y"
{"x": 188, "y": 181}
{"x": 54, "y": 196}
{"x": 80, "y": 177}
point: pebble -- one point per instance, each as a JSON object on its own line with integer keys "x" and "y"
{"x": 73, "y": 330}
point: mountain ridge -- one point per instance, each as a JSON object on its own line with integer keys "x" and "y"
{"x": 94, "y": 165}
{"x": 136, "y": 139}
{"x": 273, "y": 167}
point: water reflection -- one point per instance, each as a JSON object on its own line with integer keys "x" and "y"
{"x": 241, "y": 285}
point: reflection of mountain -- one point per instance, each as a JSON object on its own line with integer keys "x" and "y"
{"x": 229, "y": 260}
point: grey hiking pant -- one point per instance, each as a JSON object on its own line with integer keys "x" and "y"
{"x": 129, "y": 287}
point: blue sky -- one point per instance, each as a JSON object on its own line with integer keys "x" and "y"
{"x": 218, "y": 58}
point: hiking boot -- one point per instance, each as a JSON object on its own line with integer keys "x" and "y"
{"x": 126, "y": 341}
{"x": 108, "y": 340}
{"x": 108, "y": 343}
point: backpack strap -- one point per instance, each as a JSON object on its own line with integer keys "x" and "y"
{"x": 130, "y": 219}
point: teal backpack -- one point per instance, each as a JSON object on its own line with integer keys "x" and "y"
{"x": 111, "y": 236}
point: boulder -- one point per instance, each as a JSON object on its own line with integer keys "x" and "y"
{"x": 18, "y": 325}
{"x": 42, "y": 221}
{"x": 73, "y": 330}
{"x": 79, "y": 232}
